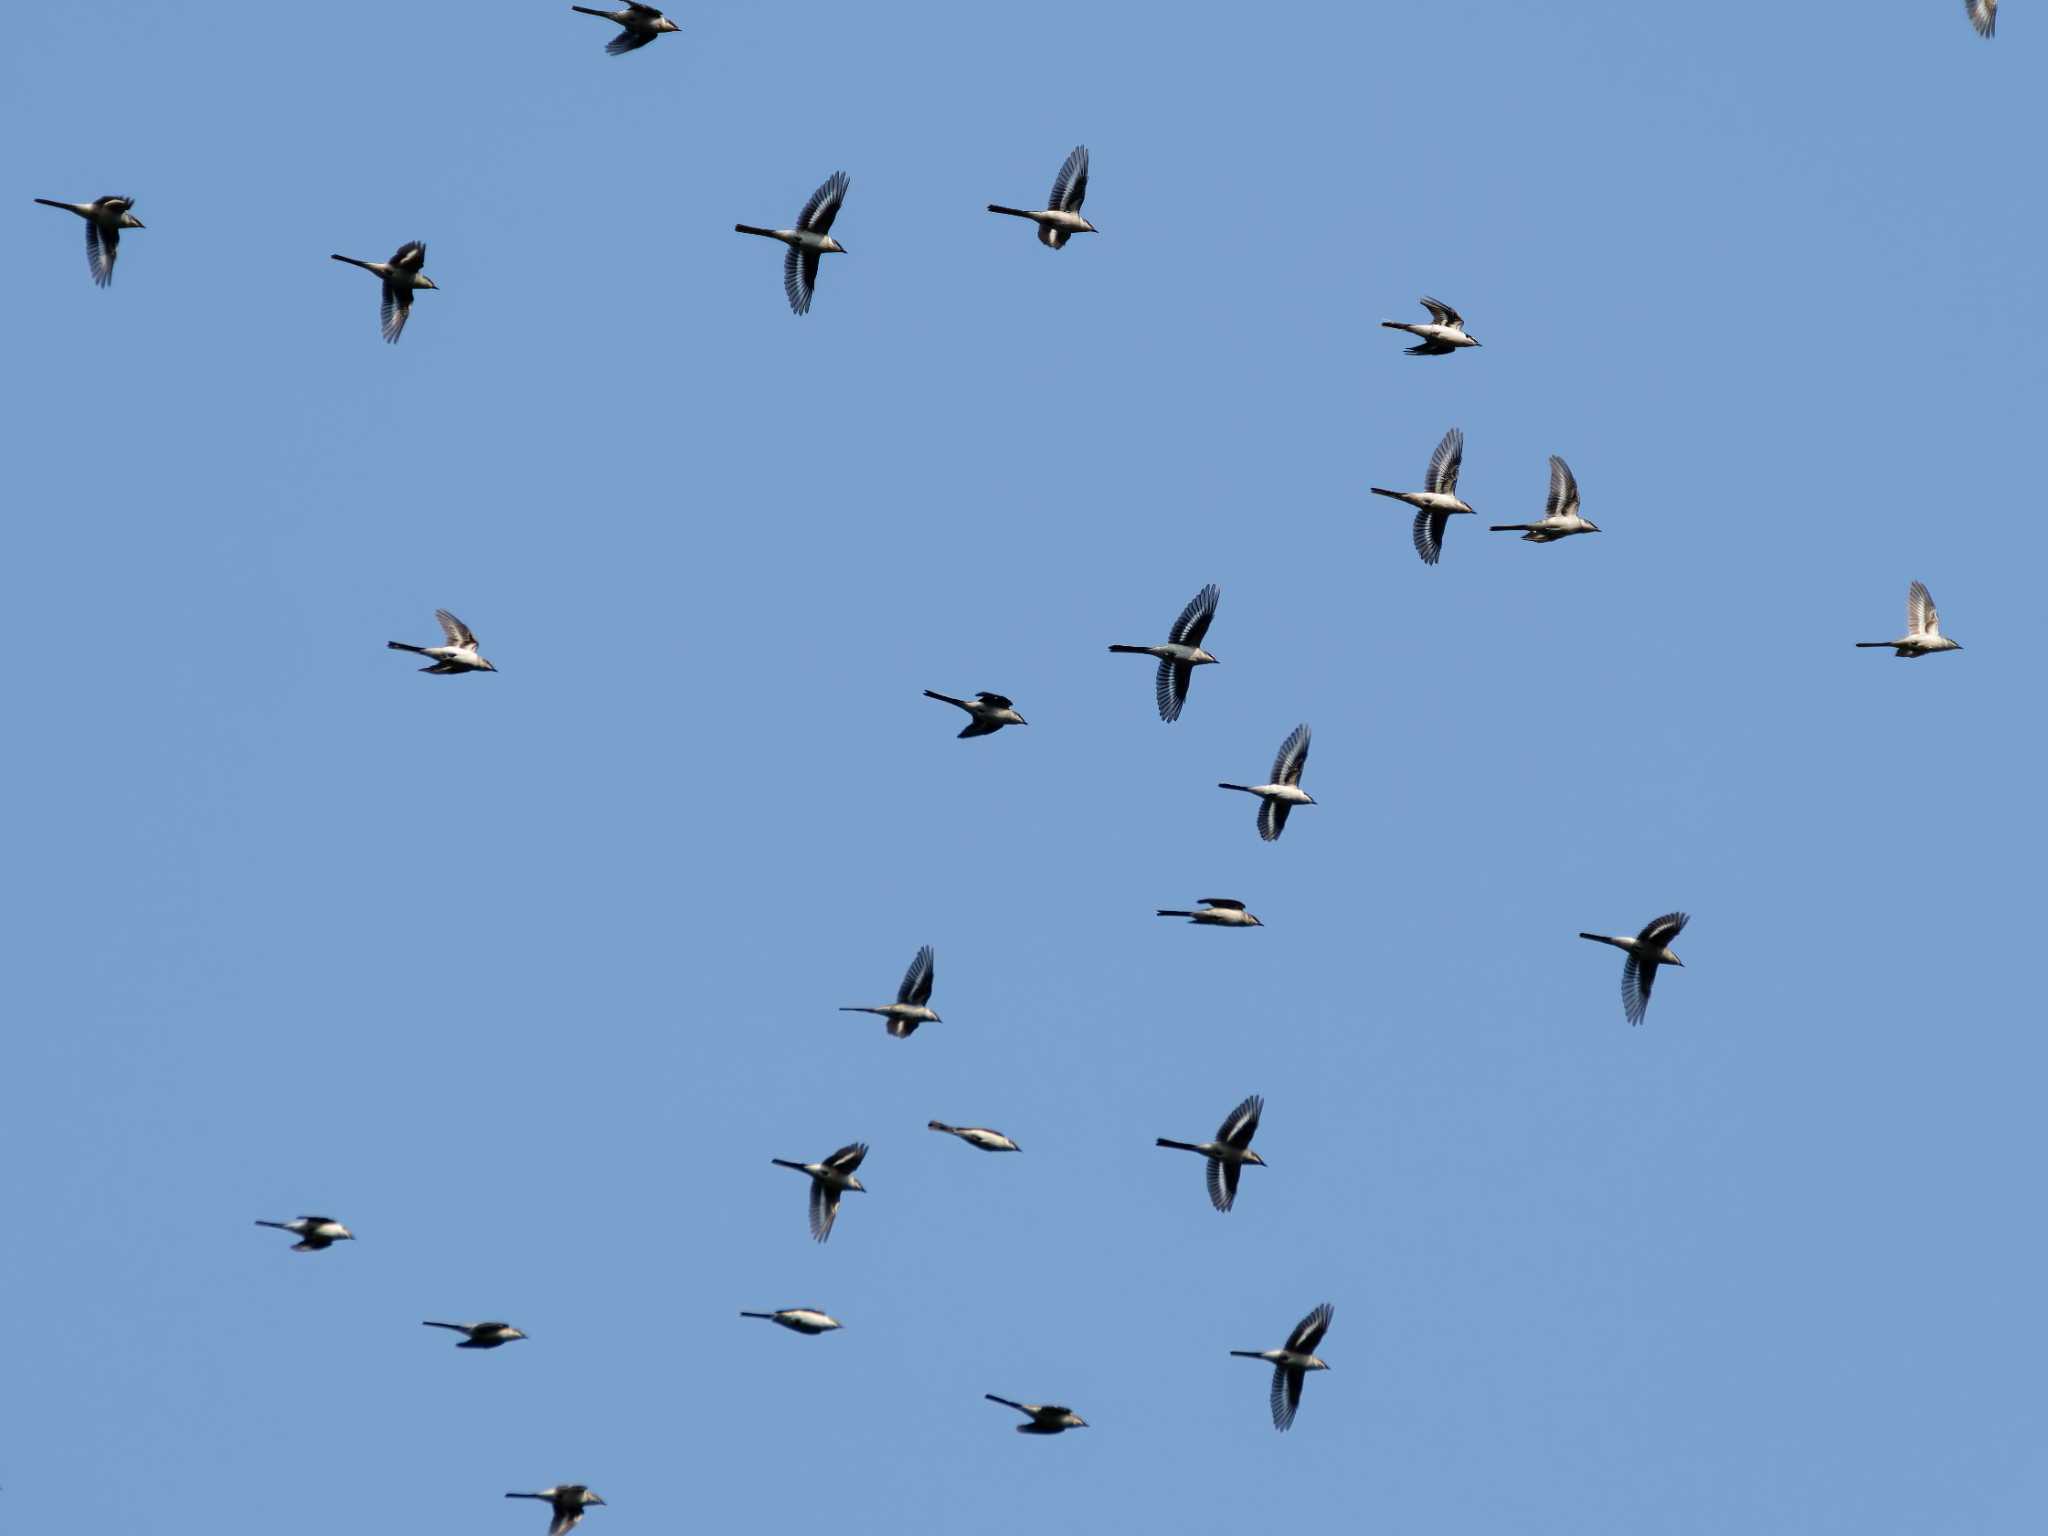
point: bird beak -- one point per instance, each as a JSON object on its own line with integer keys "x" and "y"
{"x": 937, "y": 1020}
{"x": 1257, "y": 924}
{"x": 1674, "y": 960}
{"x": 136, "y": 223}
{"x": 1592, "y": 527}
{"x": 1023, "y": 722}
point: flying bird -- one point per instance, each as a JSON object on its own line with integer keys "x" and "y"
{"x": 912, "y": 997}
{"x": 1923, "y": 635}
{"x": 313, "y": 1232}
{"x": 639, "y": 26}
{"x": 1218, "y": 912}
{"x": 1045, "y": 1418}
{"x": 105, "y": 218}
{"x": 401, "y": 277}
{"x": 1292, "y": 1362}
{"x": 569, "y": 1501}
{"x": 1435, "y": 505}
{"x": 1285, "y": 792}
{"x": 800, "y": 1319}
{"x": 481, "y": 1335}
{"x": 1646, "y": 951}
{"x": 1560, "y": 512}
{"x": 458, "y": 655}
{"x": 1181, "y": 653}
{"x": 810, "y": 240}
{"x": 978, "y": 1136}
{"x": 1441, "y": 335}
{"x": 991, "y": 712}
{"x": 1229, "y": 1152}
{"x": 829, "y": 1180}
{"x": 1983, "y": 16}
{"x": 1060, "y": 219}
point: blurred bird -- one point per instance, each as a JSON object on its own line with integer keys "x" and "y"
{"x": 1292, "y": 1362}
{"x": 829, "y": 1180}
{"x": 1983, "y": 16}
{"x": 569, "y": 1501}
{"x": 1646, "y": 951}
{"x": 640, "y": 24}
{"x": 1560, "y": 513}
{"x": 1060, "y": 219}
{"x": 1443, "y": 334}
{"x": 1285, "y": 792}
{"x": 458, "y": 655}
{"x": 481, "y": 1335}
{"x": 1181, "y": 653}
{"x": 401, "y": 276}
{"x": 105, "y": 218}
{"x": 1229, "y": 1152}
{"x": 909, "y": 1010}
{"x": 978, "y": 1136}
{"x": 1046, "y": 1418}
{"x": 991, "y": 712}
{"x": 800, "y": 1319}
{"x": 810, "y": 240}
{"x": 1219, "y": 912}
{"x": 1436, "y": 504}
{"x": 1923, "y": 635}
{"x": 313, "y": 1232}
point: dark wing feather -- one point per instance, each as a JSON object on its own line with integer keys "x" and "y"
{"x": 1564, "y": 489}
{"x": 848, "y": 1157}
{"x": 1661, "y": 931}
{"x": 917, "y": 981}
{"x": 458, "y": 633}
{"x": 1273, "y": 819}
{"x": 410, "y": 257}
{"x": 1070, "y": 187}
{"x": 1292, "y": 758}
{"x": 1286, "y": 1396}
{"x": 1442, "y": 313}
{"x": 1445, "y": 462}
{"x": 1429, "y": 535}
{"x": 394, "y": 310}
{"x": 823, "y": 207}
{"x": 101, "y": 247}
{"x": 1218, "y": 1197}
{"x": 1222, "y": 901}
{"x": 996, "y": 699}
{"x": 799, "y": 278}
{"x": 1170, "y": 690}
{"x": 824, "y": 1209}
{"x": 1308, "y": 1333}
{"x": 1242, "y": 1123}
{"x": 1195, "y": 619}
{"x": 1636, "y": 978}
{"x": 628, "y": 39}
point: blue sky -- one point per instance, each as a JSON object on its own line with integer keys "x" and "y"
{"x": 527, "y": 977}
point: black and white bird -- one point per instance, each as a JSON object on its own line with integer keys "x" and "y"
{"x": 1435, "y": 504}
{"x": 1292, "y": 1362}
{"x": 913, "y": 997}
{"x": 829, "y": 1180}
{"x": 639, "y": 25}
{"x": 105, "y": 218}
{"x": 1060, "y": 219}
{"x": 800, "y": 1319}
{"x": 1561, "y": 517}
{"x": 990, "y": 712}
{"x": 458, "y": 655}
{"x": 809, "y": 241}
{"x": 1284, "y": 793}
{"x": 481, "y": 1335}
{"x": 1923, "y": 635}
{"x": 1983, "y": 16}
{"x": 402, "y": 277}
{"x": 1441, "y": 335}
{"x": 569, "y": 1501}
{"x": 1646, "y": 951}
{"x": 1229, "y": 1153}
{"x": 1181, "y": 653}
{"x": 1044, "y": 1418}
{"x": 1217, "y": 912}
{"x": 313, "y": 1232}
{"x": 978, "y": 1136}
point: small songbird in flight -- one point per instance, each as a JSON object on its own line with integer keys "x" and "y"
{"x": 800, "y": 1319}
{"x": 569, "y": 1501}
{"x": 912, "y": 999}
{"x": 458, "y": 655}
{"x": 1983, "y": 16}
{"x": 1292, "y": 1362}
{"x": 1435, "y": 505}
{"x": 401, "y": 276}
{"x": 1218, "y": 912}
{"x": 1229, "y": 1153}
{"x": 829, "y": 1180}
{"x": 105, "y": 218}
{"x": 481, "y": 1335}
{"x": 1045, "y": 1418}
{"x": 1646, "y": 951}
{"x": 1060, "y": 219}
{"x": 1561, "y": 517}
{"x": 1443, "y": 334}
{"x": 810, "y": 240}
{"x": 1923, "y": 635}
{"x": 1181, "y": 653}
{"x": 1285, "y": 792}
{"x": 639, "y": 26}
{"x": 313, "y": 1232}
{"x": 978, "y": 1136}
{"x": 991, "y": 712}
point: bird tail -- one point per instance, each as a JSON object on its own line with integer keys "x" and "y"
{"x": 1248, "y": 1354}
{"x": 945, "y": 698}
{"x": 586, "y": 10}
{"x": 1378, "y": 492}
{"x": 1245, "y": 787}
{"x": 400, "y": 645}
{"x": 769, "y": 1315}
{"x": 531, "y": 1495}
{"x": 783, "y": 1162}
{"x": 1179, "y": 1145}
{"x": 352, "y": 261}
{"x": 456, "y": 1326}
{"x": 1130, "y": 650}
{"x": 1601, "y": 938}
{"x": 1005, "y": 1402}
{"x": 1873, "y": 645}
{"x": 277, "y": 1224}
{"x": 51, "y": 202}
{"x": 1394, "y": 325}
{"x": 861, "y": 1010}
{"x": 1511, "y": 527}
{"x": 1015, "y": 213}
{"x": 753, "y": 229}
{"x": 1163, "y": 912}
{"x": 940, "y": 1125}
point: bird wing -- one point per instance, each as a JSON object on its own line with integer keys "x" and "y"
{"x": 1227, "y": 904}
{"x": 1636, "y": 977}
{"x": 1293, "y": 757}
{"x": 824, "y": 1209}
{"x": 1308, "y": 1333}
{"x": 394, "y": 310}
{"x": 100, "y": 249}
{"x": 628, "y": 39}
{"x": 1273, "y": 819}
{"x": 995, "y": 699}
{"x": 1170, "y": 689}
{"x": 1222, "y": 1179}
{"x": 1195, "y": 619}
{"x": 1444, "y": 463}
{"x": 642, "y": 12}
{"x": 1286, "y": 1396}
{"x": 1564, "y": 490}
{"x": 1983, "y": 16}
{"x": 1442, "y": 313}
{"x": 1428, "y": 534}
{"x": 799, "y": 278}
{"x": 848, "y": 1157}
{"x": 1660, "y": 931}
{"x": 1242, "y": 1123}
{"x": 410, "y": 257}
{"x": 823, "y": 207}
{"x": 1921, "y": 619}
{"x": 1070, "y": 187}
{"x": 980, "y": 727}
{"x": 458, "y": 633}
{"x": 565, "y": 1520}
{"x": 917, "y": 981}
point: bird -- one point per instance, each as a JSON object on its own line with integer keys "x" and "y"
{"x": 1435, "y": 505}
{"x": 1218, "y": 912}
{"x": 481, "y": 1335}
{"x": 1229, "y": 1152}
{"x": 105, "y": 218}
{"x": 1046, "y": 1418}
{"x": 829, "y": 1180}
{"x": 977, "y": 1136}
{"x": 1561, "y": 517}
{"x": 458, "y": 655}
{"x": 1060, "y": 219}
{"x": 1442, "y": 334}
{"x": 639, "y": 24}
{"x": 1292, "y": 1362}
{"x": 912, "y": 997}
{"x": 313, "y": 1232}
{"x": 1181, "y": 653}
{"x": 569, "y": 1501}
{"x": 1646, "y": 951}
{"x": 1923, "y": 635}
{"x": 1285, "y": 792}
{"x": 800, "y": 1319}
{"x": 810, "y": 240}
{"x": 991, "y": 712}
{"x": 1983, "y": 16}
{"x": 401, "y": 276}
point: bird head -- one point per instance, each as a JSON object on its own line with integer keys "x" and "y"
{"x": 1592, "y": 527}
{"x": 937, "y": 1020}
{"x": 344, "y": 1233}
{"x": 833, "y": 245}
{"x": 1671, "y": 958}
{"x": 666, "y": 25}
{"x": 515, "y": 1333}
{"x": 854, "y": 1186}
{"x": 1079, "y": 1422}
{"x": 1254, "y": 920}
{"x": 129, "y": 221}
{"x": 423, "y": 281}
{"x": 1308, "y": 799}
{"x": 1202, "y": 656}
{"x": 1254, "y": 1158}
{"x": 1317, "y": 1363}
{"x": 1087, "y": 229}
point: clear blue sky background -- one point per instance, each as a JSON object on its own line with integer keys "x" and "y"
{"x": 527, "y": 977}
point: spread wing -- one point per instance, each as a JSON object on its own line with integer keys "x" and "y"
{"x": 565, "y": 1520}
{"x": 1222, "y": 1183}
{"x": 799, "y": 278}
{"x": 1442, "y": 313}
{"x": 1636, "y": 978}
{"x": 995, "y": 699}
{"x": 1293, "y": 757}
{"x": 1429, "y": 535}
{"x": 1444, "y": 464}
{"x": 1983, "y": 16}
{"x": 848, "y": 1157}
{"x": 1921, "y": 619}
{"x": 410, "y": 257}
{"x": 1308, "y": 1333}
{"x": 824, "y": 1209}
{"x": 1286, "y": 1396}
{"x": 1564, "y": 490}
{"x": 1661, "y": 931}
{"x": 1195, "y": 619}
{"x": 823, "y": 207}
{"x": 1224, "y": 902}
{"x": 1242, "y": 1123}
{"x": 1070, "y": 187}
{"x": 1273, "y": 819}
{"x": 458, "y": 633}
{"x": 394, "y": 310}
{"x": 101, "y": 247}
{"x": 1170, "y": 688}
{"x": 917, "y": 981}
